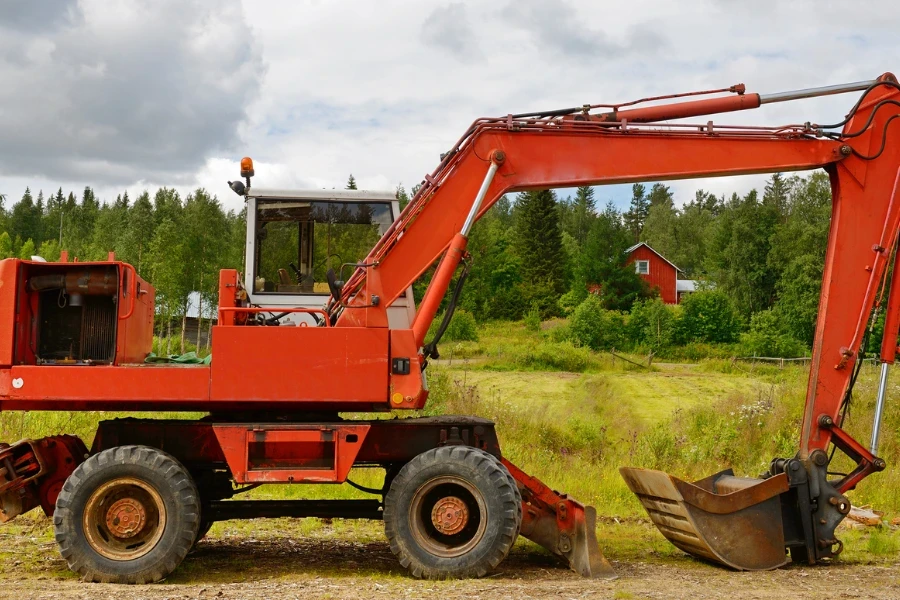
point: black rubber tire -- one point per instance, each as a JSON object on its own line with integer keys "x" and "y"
{"x": 512, "y": 482}
{"x": 204, "y": 528}
{"x": 166, "y": 476}
{"x": 485, "y": 474}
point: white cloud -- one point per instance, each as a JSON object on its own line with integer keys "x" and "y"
{"x": 111, "y": 93}
{"x": 381, "y": 89}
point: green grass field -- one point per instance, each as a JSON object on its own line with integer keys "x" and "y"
{"x": 572, "y": 417}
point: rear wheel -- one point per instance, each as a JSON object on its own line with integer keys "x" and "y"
{"x": 204, "y": 528}
{"x": 452, "y": 512}
{"x": 127, "y": 515}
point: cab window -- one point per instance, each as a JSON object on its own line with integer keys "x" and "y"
{"x": 297, "y": 241}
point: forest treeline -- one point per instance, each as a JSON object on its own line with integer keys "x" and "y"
{"x": 759, "y": 257}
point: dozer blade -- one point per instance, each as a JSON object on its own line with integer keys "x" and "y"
{"x": 562, "y": 525}
{"x": 734, "y": 521}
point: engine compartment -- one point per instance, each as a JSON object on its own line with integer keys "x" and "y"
{"x": 98, "y": 313}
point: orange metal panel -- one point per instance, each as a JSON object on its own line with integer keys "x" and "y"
{"x": 290, "y": 453}
{"x": 7, "y": 310}
{"x": 136, "y": 300}
{"x": 407, "y": 391}
{"x": 33, "y": 387}
{"x": 863, "y": 219}
{"x": 301, "y": 364}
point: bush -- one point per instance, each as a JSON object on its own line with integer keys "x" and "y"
{"x": 533, "y": 319}
{"x": 505, "y": 304}
{"x": 652, "y": 324}
{"x": 696, "y": 351}
{"x": 569, "y": 301}
{"x": 462, "y": 328}
{"x": 555, "y": 356}
{"x": 561, "y": 332}
{"x": 595, "y": 327}
{"x": 708, "y": 316}
{"x": 768, "y": 337}
{"x": 543, "y": 295}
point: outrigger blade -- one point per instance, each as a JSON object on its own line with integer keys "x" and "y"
{"x": 562, "y": 525}
{"x": 734, "y": 521}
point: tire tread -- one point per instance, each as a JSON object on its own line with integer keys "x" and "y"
{"x": 78, "y": 554}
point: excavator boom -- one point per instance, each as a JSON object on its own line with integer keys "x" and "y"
{"x": 739, "y": 522}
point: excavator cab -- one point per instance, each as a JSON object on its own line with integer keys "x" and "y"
{"x": 294, "y": 237}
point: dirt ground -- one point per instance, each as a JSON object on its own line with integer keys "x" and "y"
{"x": 352, "y": 563}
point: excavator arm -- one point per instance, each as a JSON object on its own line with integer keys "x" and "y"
{"x": 740, "y": 522}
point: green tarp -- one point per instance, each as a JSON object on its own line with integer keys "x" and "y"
{"x": 188, "y": 358}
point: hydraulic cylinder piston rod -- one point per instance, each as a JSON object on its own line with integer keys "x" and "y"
{"x": 828, "y": 90}
{"x": 482, "y": 192}
{"x": 879, "y": 408}
{"x": 441, "y": 280}
{"x": 711, "y": 106}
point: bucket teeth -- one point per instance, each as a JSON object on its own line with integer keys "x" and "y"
{"x": 725, "y": 519}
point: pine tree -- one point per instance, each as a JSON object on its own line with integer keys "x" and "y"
{"x": 166, "y": 205}
{"x": 637, "y": 213}
{"x": 351, "y": 182}
{"x": 583, "y": 213}
{"x": 540, "y": 249}
{"x": 51, "y": 224}
{"x": 602, "y": 264}
{"x": 80, "y": 219}
{"x": 661, "y": 194}
{"x": 25, "y": 221}
{"x": 740, "y": 253}
{"x": 6, "y": 246}
{"x": 776, "y": 194}
{"x": 661, "y": 230}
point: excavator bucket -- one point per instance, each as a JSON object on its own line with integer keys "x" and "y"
{"x": 733, "y": 521}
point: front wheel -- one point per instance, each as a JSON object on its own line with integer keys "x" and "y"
{"x": 127, "y": 515}
{"x": 452, "y": 512}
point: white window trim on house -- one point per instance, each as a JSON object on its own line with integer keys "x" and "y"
{"x": 642, "y": 267}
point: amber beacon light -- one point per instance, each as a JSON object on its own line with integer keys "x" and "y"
{"x": 246, "y": 167}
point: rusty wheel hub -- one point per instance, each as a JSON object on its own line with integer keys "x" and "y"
{"x": 126, "y": 517}
{"x": 449, "y": 515}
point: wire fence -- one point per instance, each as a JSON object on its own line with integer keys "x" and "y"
{"x": 781, "y": 362}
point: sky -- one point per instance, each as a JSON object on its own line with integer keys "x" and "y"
{"x": 133, "y": 95}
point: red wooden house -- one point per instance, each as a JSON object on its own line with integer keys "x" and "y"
{"x": 658, "y": 272}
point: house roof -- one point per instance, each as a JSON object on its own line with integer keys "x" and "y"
{"x": 685, "y": 285}
{"x": 193, "y": 307}
{"x": 639, "y": 244}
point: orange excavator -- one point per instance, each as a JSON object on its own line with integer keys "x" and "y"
{"x": 293, "y": 354}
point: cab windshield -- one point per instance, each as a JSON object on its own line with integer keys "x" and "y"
{"x": 297, "y": 241}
